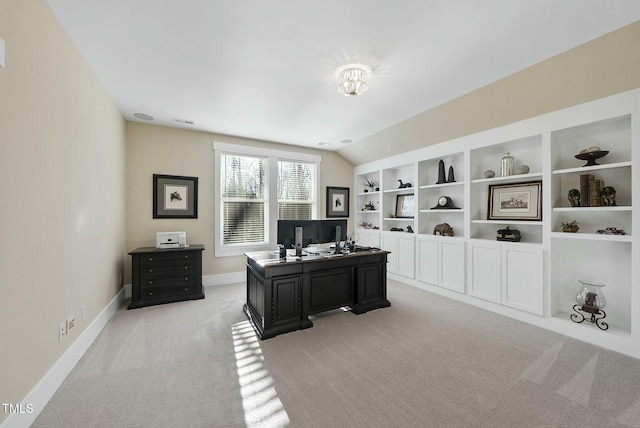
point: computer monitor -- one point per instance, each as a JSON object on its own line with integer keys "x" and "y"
{"x": 328, "y": 230}
{"x": 287, "y": 232}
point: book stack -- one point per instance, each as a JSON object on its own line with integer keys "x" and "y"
{"x": 585, "y": 189}
{"x": 595, "y": 193}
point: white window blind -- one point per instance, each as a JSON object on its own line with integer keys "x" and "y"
{"x": 296, "y": 190}
{"x": 244, "y": 185}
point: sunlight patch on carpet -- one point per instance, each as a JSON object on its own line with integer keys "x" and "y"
{"x": 262, "y": 407}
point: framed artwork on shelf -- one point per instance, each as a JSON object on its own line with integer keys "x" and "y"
{"x": 515, "y": 201}
{"x": 404, "y": 206}
{"x": 175, "y": 196}
{"x": 337, "y": 202}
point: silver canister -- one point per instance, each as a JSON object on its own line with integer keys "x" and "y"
{"x": 507, "y": 165}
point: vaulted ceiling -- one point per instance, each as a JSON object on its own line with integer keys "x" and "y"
{"x": 266, "y": 69}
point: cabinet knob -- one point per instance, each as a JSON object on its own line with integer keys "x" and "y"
{"x": 150, "y": 270}
{"x": 186, "y": 256}
{"x": 186, "y": 278}
{"x": 150, "y": 282}
{"x": 186, "y": 267}
{"x": 151, "y": 293}
{"x": 150, "y": 259}
{"x": 186, "y": 288}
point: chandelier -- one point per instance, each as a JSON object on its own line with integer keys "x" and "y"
{"x": 353, "y": 79}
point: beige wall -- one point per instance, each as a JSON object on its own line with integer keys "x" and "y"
{"x": 161, "y": 150}
{"x": 62, "y": 204}
{"x": 605, "y": 66}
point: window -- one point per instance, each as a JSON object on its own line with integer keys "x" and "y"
{"x": 254, "y": 188}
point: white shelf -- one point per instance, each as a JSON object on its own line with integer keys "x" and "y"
{"x": 433, "y": 186}
{"x": 399, "y": 218}
{"x": 532, "y": 223}
{"x": 592, "y": 168}
{"x": 508, "y": 179}
{"x": 368, "y": 193}
{"x": 432, "y": 211}
{"x": 368, "y": 211}
{"x": 591, "y": 209}
{"x": 591, "y": 236}
{"x": 404, "y": 189}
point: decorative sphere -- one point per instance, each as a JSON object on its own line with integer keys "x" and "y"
{"x": 489, "y": 173}
{"x": 522, "y": 169}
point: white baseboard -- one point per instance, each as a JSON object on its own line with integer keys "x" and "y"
{"x": 224, "y": 278}
{"x": 40, "y": 395}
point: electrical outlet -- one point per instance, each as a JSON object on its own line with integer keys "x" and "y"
{"x": 71, "y": 323}
{"x": 83, "y": 313}
{"x": 62, "y": 331}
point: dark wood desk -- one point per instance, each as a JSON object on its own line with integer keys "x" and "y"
{"x": 281, "y": 294}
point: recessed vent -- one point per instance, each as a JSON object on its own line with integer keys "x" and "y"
{"x": 185, "y": 121}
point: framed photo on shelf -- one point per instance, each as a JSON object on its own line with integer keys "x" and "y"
{"x": 337, "y": 202}
{"x": 175, "y": 196}
{"x": 515, "y": 201}
{"x": 404, "y": 206}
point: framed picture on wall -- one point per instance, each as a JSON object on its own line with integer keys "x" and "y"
{"x": 337, "y": 202}
{"x": 515, "y": 201}
{"x": 175, "y": 196}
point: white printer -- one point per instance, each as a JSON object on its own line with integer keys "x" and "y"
{"x": 171, "y": 240}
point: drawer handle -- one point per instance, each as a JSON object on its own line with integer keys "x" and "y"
{"x": 186, "y": 278}
{"x": 186, "y": 267}
{"x": 150, "y": 282}
{"x": 150, "y": 270}
{"x": 186, "y": 288}
{"x": 186, "y": 256}
{"x": 150, "y": 259}
{"x": 151, "y": 293}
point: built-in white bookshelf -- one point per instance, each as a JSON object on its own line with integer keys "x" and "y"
{"x": 535, "y": 279}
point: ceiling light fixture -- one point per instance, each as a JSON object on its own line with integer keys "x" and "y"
{"x": 353, "y": 79}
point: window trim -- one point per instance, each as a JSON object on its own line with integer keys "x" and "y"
{"x": 271, "y": 198}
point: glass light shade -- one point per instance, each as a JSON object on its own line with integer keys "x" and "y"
{"x": 590, "y": 296}
{"x": 353, "y": 79}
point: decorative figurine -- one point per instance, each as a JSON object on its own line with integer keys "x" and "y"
{"x": 571, "y": 227}
{"x": 369, "y": 207}
{"x": 409, "y": 229}
{"x": 508, "y": 234}
{"x": 443, "y": 229}
{"x": 450, "y": 178}
{"x": 441, "y": 177}
{"x": 489, "y": 173}
{"x": 445, "y": 202}
{"x": 404, "y": 185}
{"x": 609, "y": 196}
{"x": 574, "y": 197}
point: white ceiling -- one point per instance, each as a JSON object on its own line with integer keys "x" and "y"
{"x": 265, "y": 69}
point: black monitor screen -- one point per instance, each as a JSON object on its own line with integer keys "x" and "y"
{"x": 313, "y": 231}
{"x": 328, "y": 230}
{"x": 287, "y": 232}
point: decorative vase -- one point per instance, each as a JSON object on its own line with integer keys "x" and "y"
{"x": 506, "y": 165}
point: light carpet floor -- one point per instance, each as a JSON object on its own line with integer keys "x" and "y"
{"x": 426, "y": 361}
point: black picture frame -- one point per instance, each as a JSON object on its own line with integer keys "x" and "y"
{"x": 515, "y": 201}
{"x": 175, "y": 196}
{"x": 337, "y": 202}
{"x": 404, "y": 205}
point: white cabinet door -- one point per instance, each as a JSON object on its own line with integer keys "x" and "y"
{"x": 406, "y": 255}
{"x": 485, "y": 272}
{"x": 390, "y": 243}
{"x": 452, "y": 263}
{"x": 427, "y": 269}
{"x": 522, "y": 278}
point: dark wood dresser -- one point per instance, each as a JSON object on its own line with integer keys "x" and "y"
{"x": 165, "y": 275}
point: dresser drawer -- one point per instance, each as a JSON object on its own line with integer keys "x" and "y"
{"x": 169, "y": 291}
{"x": 162, "y": 269}
{"x": 166, "y": 280}
{"x": 160, "y": 258}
